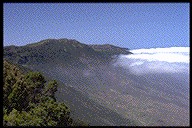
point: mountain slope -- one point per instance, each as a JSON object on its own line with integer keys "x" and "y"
{"x": 72, "y": 63}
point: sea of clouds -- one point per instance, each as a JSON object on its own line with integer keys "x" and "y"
{"x": 156, "y": 60}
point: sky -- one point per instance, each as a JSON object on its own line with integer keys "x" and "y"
{"x": 129, "y": 25}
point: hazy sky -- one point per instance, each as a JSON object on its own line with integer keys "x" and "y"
{"x": 130, "y": 25}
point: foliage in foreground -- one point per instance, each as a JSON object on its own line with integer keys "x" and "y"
{"x": 29, "y": 100}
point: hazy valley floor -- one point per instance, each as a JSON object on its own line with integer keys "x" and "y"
{"x": 152, "y": 103}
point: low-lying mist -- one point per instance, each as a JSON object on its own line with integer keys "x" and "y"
{"x": 156, "y": 60}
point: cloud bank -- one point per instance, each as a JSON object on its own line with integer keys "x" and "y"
{"x": 156, "y": 60}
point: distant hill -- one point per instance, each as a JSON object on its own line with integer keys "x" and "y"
{"x": 69, "y": 52}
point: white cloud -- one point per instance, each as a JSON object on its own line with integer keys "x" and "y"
{"x": 163, "y": 50}
{"x": 156, "y": 60}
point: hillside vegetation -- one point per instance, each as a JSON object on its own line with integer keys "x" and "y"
{"x": 29, "y": 100}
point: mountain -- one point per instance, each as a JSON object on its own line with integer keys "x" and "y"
{"x": 76, "y": 67}
{"x": 99, "y": 91}
{"x": 69, "y": 52}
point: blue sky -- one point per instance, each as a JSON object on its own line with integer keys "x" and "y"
{"x": 130, "y": 25}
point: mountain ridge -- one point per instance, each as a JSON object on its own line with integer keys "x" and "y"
{"x": 69, "y": 51}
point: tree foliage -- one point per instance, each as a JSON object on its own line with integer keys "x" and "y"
{"x": 50, "y": 89}
{"x": 29, "y": 101}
